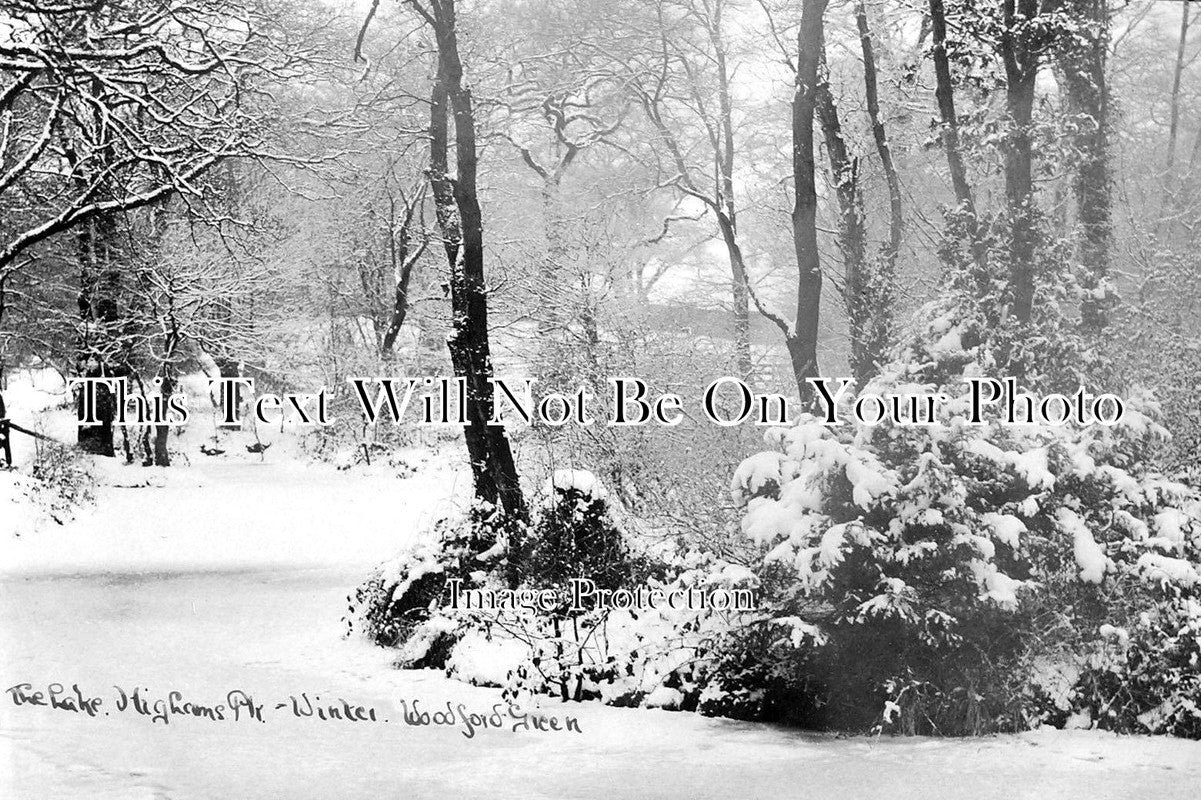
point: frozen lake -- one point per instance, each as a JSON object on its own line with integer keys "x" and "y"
{"x": 244, "y": 610}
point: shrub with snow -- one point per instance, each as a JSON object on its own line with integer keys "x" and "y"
{"x": 55, "y": 485}
{"x": 944, "y": 567}
{"x": 575, "y": 536}
{"x": 571, "y": 535}
{"x": 662, "y": 658}
{"x": 394, "y": 603}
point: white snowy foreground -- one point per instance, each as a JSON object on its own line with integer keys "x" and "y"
{"x": 221, "y": 578}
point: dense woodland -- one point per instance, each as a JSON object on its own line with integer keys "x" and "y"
{"x": 902, "y": 191}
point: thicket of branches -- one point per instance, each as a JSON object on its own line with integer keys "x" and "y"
{"x": 784, "y": 179}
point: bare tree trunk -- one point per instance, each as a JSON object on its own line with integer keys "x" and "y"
{"x": 400, "y": 308}
{"x": 554, "y": 316}
{"x": 1177, "y": 74}
{"x": 1021, "y": 69}
{"x": 162, "y": 458}
{"x": 6, "y": 450}
{"x": 1087, "y": 98}
{"x": 99, "y": 289}
{"x": 403, "y": 259}
{"x": 852, "y": 229}
{"x": 878, "y": 334}
{"x": 459, "y": 215}
{"x": 896, "y": 220}
{"x": 726, "y": 223}
{"x": 945, "y": 95}
{"x": 740, "y": 290}
{"x": 802, "y": 341}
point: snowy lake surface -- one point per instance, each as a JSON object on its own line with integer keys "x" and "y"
{"x": 217, "y": 578}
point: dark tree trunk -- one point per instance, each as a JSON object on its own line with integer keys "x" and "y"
{"x": 6, "y": 451}
{"x": 1020, "y": 59}
{"x": 1177, "y": 74}
{"x": 852, "y": 231}
{"x": 403, "y": 259}
{"x": 400, "y": 309}
{"x": 945, "y": 95}
{"x": 896, "y": 219}
{"x": 877, "y": 334}
{"x": 726, "y": 222}
{"x": 97, "y": 350}
{"x": 162, "y": 458}
{"x": 740, "y": 292}
{"x": 458, "y": 208}
{"x": 97, "y": 439}
{"x": 740, "y": 289}
{"x": 802, "y": 341}
{"x": 1087, "y": 99}
{"x": 448, "y": 221}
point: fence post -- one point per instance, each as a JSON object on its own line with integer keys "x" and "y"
{"x": 5, "y": 436}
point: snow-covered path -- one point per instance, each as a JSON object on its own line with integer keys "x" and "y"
{"x": 233, "y": 577}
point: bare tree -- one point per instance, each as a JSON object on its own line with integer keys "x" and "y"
{"x": 945, "y": 95}
{"x": 113, "y": 108}
{"x": 852, "y": 233}
{"x": 459, "y": 216}
{"x": 801, "y": 338}
{"x": 1177, "y": 74}
{"x": 1083, "y": 64}
{"x": 406, "y": 244}
{"x": 183, "y": 301}
{"x": 572, "y": 116}
{"x": 688, "y": 87}
{"x": 1020, "y": 57}
{"x": 873, "y": 333}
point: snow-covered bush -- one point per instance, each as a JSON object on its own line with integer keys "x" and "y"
{"x": 64, "y": 479}
{"x": 57, "y": 483}
{"x": 949, "y": 569}
{"x": 571, "y": 535}
{"x": 913, "y": 549}
{"x": 402, "y": 593}
{"x": 655, "y": 657}
{"x": 1146, "y": 679}
{"x": 575, "y": 536}
{"x": 662, "y": 657}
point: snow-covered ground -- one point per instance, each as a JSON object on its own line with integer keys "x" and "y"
{"x": 232, "y": 575}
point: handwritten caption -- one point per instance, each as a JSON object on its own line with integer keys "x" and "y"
{"x": 238, "y": 706}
